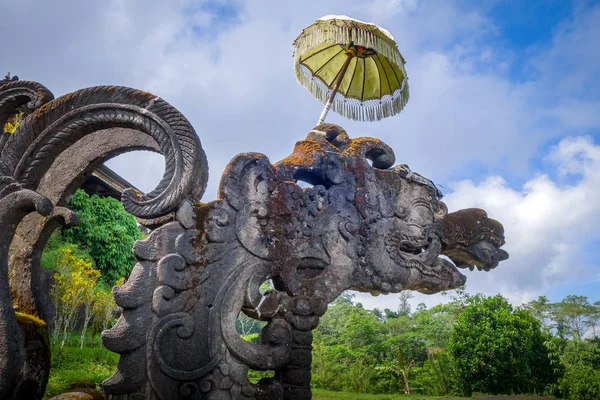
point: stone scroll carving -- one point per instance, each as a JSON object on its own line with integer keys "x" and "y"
{"x": 356, "y": 223}
{"x": 51, "y": 153}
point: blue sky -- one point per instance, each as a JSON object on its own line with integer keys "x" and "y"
{"x": 524, "y": 25}
{"x": 504, "y": 111}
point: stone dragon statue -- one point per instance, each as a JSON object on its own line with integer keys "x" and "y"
{"x": 358, "y": 223}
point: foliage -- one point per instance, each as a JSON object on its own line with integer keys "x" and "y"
{"x": 499, "y": 350}
{"x": 434, "y": 377}
{"x": 248, "y": 327}
{"x": 400, "y": 367}
{"x": 580, "y": 382}
{"x": 579, "y": 364}
{"x": 342, "y": 352}
{"x": 75, "y": 284}
{"x": 251, "y": 337}
{"x": 106, "y": 231}
{"x": 54, "y": 250}
{"x": 12, "y": 127}
{"x": 87, "y": 363}
{"x": 76, "y": 289}
{"x": 363, "y": 354}
{"x": 404, "y": 306}
{"x": 378, "y": 352}
{"x": 102, "y": 310}
{"x": 572, "y": 316}
{"x": 540, "y": 309}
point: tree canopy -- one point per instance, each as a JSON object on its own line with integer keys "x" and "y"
{"x": 106, "y": 231}
{"x": 472, "y": 344}
{"x": 498, "y": 349}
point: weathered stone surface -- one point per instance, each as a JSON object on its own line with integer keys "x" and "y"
{"x": 36, "y": 363}
{"x": 359, "y": 223}
{"x": 47, "y": 308}
{"x": 44, "y": 162}
{"x": 359, "y": 226}
{"x": 19, "y": 96}
{"x": 80, "y": 394}
{"x": 13, "y": 354}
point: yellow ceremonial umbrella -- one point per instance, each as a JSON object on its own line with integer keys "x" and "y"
{"x": 353, "y": 66}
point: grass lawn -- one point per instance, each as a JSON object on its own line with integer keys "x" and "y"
{"x": 73, "y": 367}
{"x": 319, "y": 394}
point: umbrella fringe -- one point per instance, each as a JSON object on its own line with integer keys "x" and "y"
{"x": 368, "y": 110}
{"x": 328, "y": 32}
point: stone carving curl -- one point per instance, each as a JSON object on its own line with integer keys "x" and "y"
{"x": 53, "y": 150}
{"x": 26, "y": 96}
{"x": 13, "y": 208}
{"x": 55, "y": 126}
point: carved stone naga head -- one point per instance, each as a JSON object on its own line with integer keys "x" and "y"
{"x": 358, "y": 223}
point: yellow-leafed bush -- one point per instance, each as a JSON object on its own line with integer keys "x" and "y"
{"x": 12, "y": 127}
{"x": 103, "y": 311}
{"x": 75, "y": 286}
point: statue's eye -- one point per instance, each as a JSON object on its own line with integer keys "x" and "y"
{"x": 420, "y": 215}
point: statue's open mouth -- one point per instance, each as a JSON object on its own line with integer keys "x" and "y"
{"x": 412, "y": 248}
{"x": 407, "y": 252}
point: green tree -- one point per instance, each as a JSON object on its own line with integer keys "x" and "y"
{"x": 435, "y": 325}
{"x": 106, "y": 231}
{"x": 400, "y": 367}
{"x": 348, "y": 343}
{"x": 540, "y": 309}
{"x": 103, "y": 307}
{"x": 433, "y": 378}
{"x": 593, "y": 320}
{"x": 497, "y": 349}
{"x": 361, "y": 328}
{"x": 404, "y": 306}
{"x": 579, "y": 362}
{"x": 54, "y": 252}
{"x": 572, "y": 316}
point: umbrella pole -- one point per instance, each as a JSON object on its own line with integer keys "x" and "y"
{"x": 335, "y": 89}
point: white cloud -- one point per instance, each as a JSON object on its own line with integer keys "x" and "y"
{"x": 234, "y": 82}
{"x": 238, "y": 90}
{"x": 548, "y": 223}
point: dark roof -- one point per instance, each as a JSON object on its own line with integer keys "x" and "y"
{"x": 106, "y": 183}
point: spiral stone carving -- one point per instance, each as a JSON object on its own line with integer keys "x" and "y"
{"x": 57, "y": 125}
{"x": 58, "y": 144}
{"x": 20, "y": 95}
